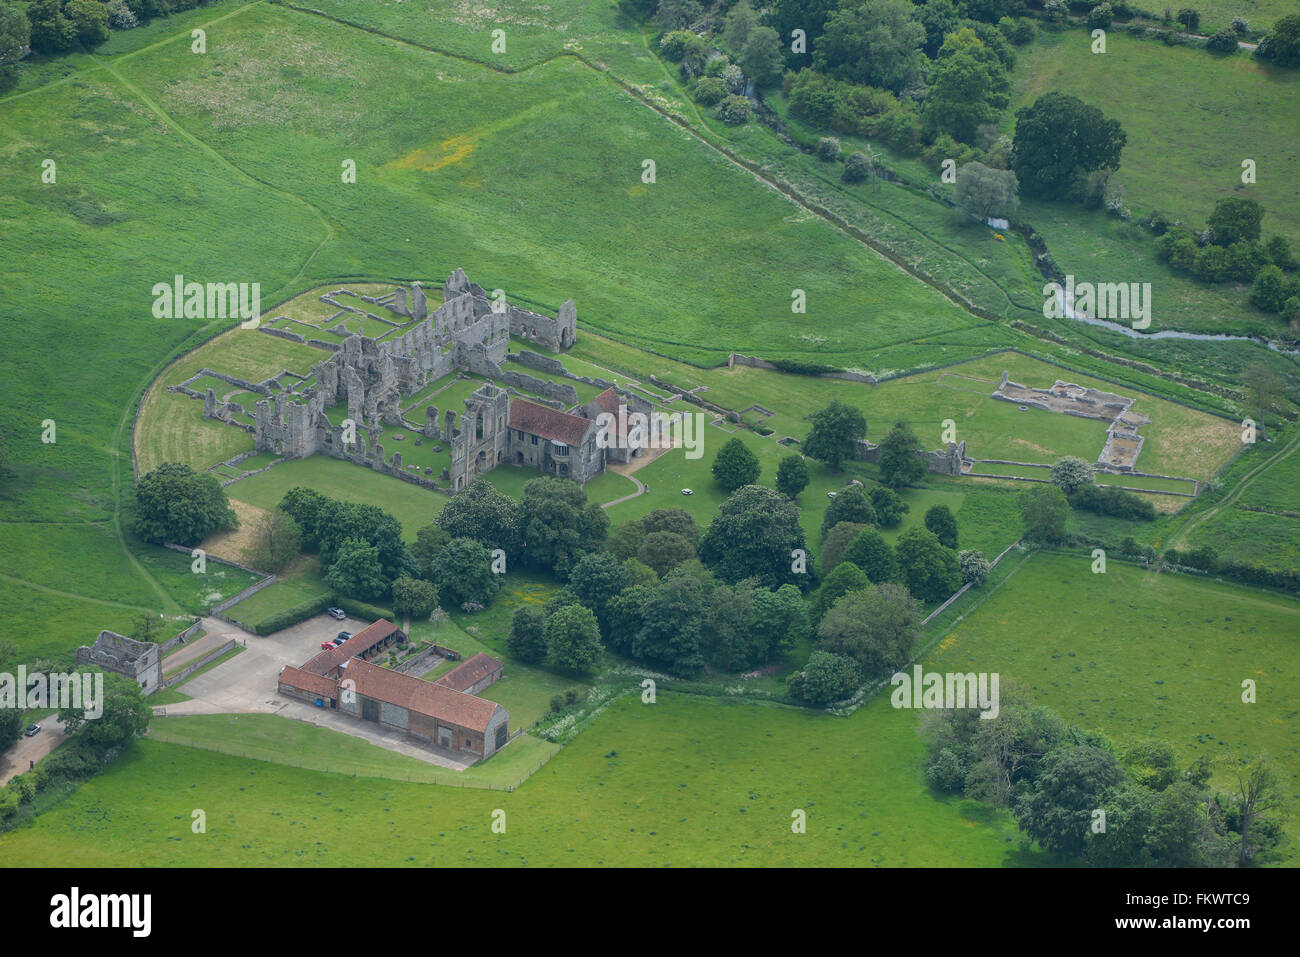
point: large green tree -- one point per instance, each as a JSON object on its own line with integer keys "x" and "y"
{"x": 825, "y": 678}
{"x": 837, "y": 540}
{"x": 357, "y": 571}
{"x": 484, "y": 514}
{"x": 844, "y": 578}
{"x": 1235, "y": 219}
{"x": 792, "y": 475}
{"x": 1058, "y": 811}
{"x": 124, "y": 715}
{"x": 901, "y": 461}
{"x": 874, "y": 42}
{"x": 670, "y": 635}
{"x": 833, "y": 437}
{"x": 850, "y": 504}
{"x": 1058, "y": 139}
{"x": 415, "y": 597}
{"x": 969, "y": 86}
{"x": 276, "y": 541}
{"x": 930, "y": 570}
{"x": 175, "y": 504}
{"x": 871, "y": 553}
{"x": 463, "y": 574}
{"x": 1282, "y": 44}
{"x": 876, "y": 627}
{"x": 559, "y": 525}
{"x": 735, "y": 465}
{"x": 985, "y": 192}
{"x": 939, "y": 519}
{"x": 15, "y": 35}
{"x": 1044, "y": 510}
{"x": 527, "y": 638}
{"x": 755, "y": 535}
{"x": 573, "y": 639}
{"x": 597, "y": 579}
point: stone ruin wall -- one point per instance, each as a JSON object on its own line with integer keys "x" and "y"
{"x": 372, "y": 377}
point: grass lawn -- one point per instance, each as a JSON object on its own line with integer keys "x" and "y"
{"x": 171, "y": 426}
{"x": 67, "y": 621}
{"x": 302, "y": 583}
{"x": 268, "y": 737}
{"x": 411, "y": 505}
{"x": 1191, "y": 119}
{"x": 673, "y": 784}
{"x": 1141, "y": 655}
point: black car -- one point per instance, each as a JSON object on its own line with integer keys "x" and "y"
{"x": 342, "y": 637}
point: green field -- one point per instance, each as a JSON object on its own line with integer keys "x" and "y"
{"x": 412, "y": 505}
{"x": 1141, "y": 655}
{"x": 671, "y": 784}
{"x": 267, "y": 737}
{"x": 1191, "y": 119}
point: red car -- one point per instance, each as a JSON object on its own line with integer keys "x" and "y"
{"x": 327, "y": 645}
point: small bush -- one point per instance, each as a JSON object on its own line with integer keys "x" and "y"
{"x": 673, "y": 45}
{"x": 734, "y": 110}
{"x": 1225, "y": 41}
{"x": 709, "y": 91}
{"x": 1019, "y": 30}
{"x": 1101, "y": 16}
{"x": 856, "y": 168}
{"x": 828, "y": 148}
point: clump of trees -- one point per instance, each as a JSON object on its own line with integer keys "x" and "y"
{"x": 360, "y": 546}
{"x": 175, "y": 504}
{"x": 1055, "y": 779}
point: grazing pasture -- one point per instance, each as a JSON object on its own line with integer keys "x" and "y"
{"x": 1141, "y": 655}
{"x": 669, "y": 784}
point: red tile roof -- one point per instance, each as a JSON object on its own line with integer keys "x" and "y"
{"x": 308, "y": 682}
{"x": 609, "y": 401}
{"x": 357, "y": 645}
{"x": 470, "y": 672}
{"x": 548, "y": 423}
{"x": 423, "y": 697}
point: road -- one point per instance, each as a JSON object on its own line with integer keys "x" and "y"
{"x": 17, "y": 759}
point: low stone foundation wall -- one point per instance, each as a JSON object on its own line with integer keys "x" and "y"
{"x": 194, "y": 666}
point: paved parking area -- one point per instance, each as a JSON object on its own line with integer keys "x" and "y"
{"x": 247, "y": 684}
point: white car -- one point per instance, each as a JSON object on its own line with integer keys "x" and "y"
{"x": 687, "y": 491}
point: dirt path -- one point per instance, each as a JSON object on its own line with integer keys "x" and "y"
{"x": 17, "y": 760}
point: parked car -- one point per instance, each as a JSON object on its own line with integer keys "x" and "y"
{"x": 337, "y": 613}
{"x": 343, "y": 636}
{"x": 327, "y": 645}
{"x": 688, "y": 491}
{"x": 34, "y": 729}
